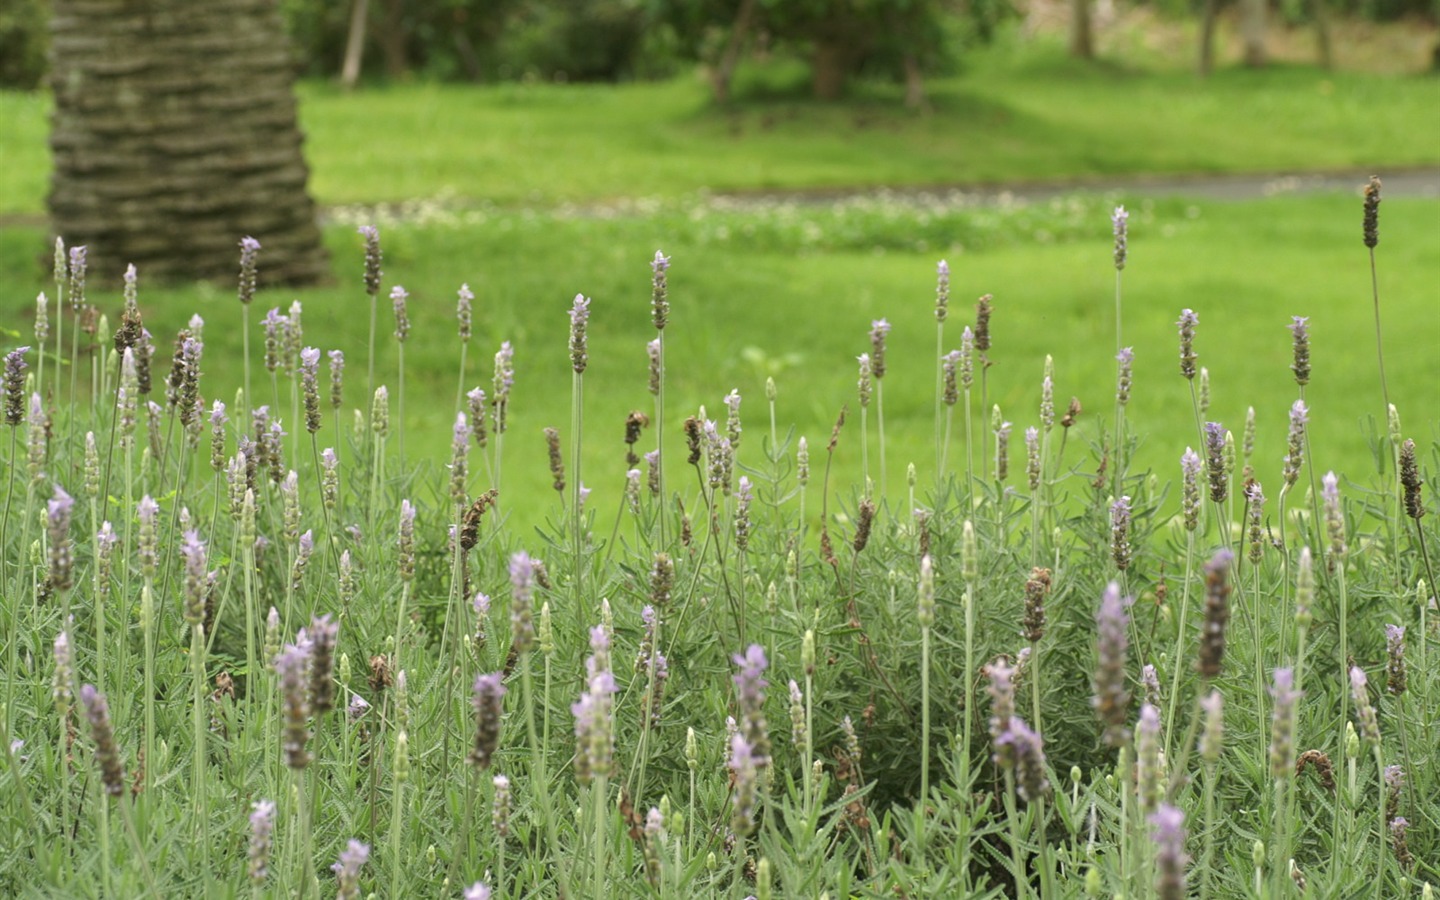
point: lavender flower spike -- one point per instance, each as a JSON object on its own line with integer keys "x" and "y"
{"x": 398, "y": 298}
{"x": 15, "y": 386}
{"x": 478, "y": 891}
{"x": 522, "y": 581}
{"x": 372, "y": 258}
{"x": 249, "y": 250}
{"x": 489, "y": 689}
{"x": 290, "y": 665}
{"x": 1364, "y": 710}
{"x": 464, "y": 298}
{"x": 746, "y": 773}
{"x": 750, "y": 687}
{"x": 1395, "y": 675}
{"x": 1170, "y": 858}
{"x": 1112, "y": 697}
{"x": 878, "y": 330}
{"x": 1187, "y": 323}
{"x": 57, "y": 526}
{"x": 1120, "y": 222}
{"x": 1282, "y": 723}
{"x": 579, "y": 317}
{"x": 347, "y": 870}
{"x": 107, "y": 754}
{"x": 262, "y": 827}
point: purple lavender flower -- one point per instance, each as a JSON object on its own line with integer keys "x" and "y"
{"x": 659, "y": 299}
{"x": 1295, "y": 449}
{"x": 878, "y": 330}
{"x": 193, "y": 551}
{"x": 1217, "y": 613}
{"x": 745, "y": 770}
{"x": 1187, "y": 323}
{"x": 77, "y": 278}
{"x": 464, "y": 298}
{"x": 942, "y": 290}
{"x": 1282, "y": 723}
{"x": 1112, "y": 697}
{"x": 579, "y": 316}
{"x": 1334, "y": 517}
{"x": 476, "y": 398}
{"x": 57, "y": 527}
{"x": 732, "y": 417}
{"x": 522, "y": 580}
{"x": 594, "y": 714}
{"x": 742, "y": 514}
{"x": 406, "y": 541}
{"x": 500, "y": 809}
{"x": 1120, "y": 533}
{"x": 147, "y": 510}
{"x": 1300, "y": 332}
{"x": 1150, "y": 681}
{"x": 1002, "y": 709}
{"x": 1032, "y": 458}
{"x": 347, "y": 870}
{"x": 652, "y": 351}
{"x": 1170, "y": 858}
{"x": 1147, "y": 758}
{"x": 324, "y": 633}
{"x": 967, "y": 358}
{"x": 262, "y": 828}
{"x": 504, "y": 381}
{"x": 249, "y": 250}
{"x": 290, "y": 665}
{"x": 1215, "y": 461}
{"x": 1255, "y": 517}
{"x": 486, "y": 699}
{"x": 1395, "y": 680}
{"x": 107, "y": 754}
{"x": 477, "y": 891}
{"x": 1027, "y": 749}
{"x": 398, "y": 298}
{"x": 951, "y": 391}
{"x": 1126, "y": 358}
{"x": 1364, "y": 710}
{"x": 15, "y": 386}
{"x": 1119, "y": 221}
{"x": 750, "y": 687}
{"x": 1002, "y": 445}
{"x": 863, "y": 385}
{"x": 372, "y": 259}
{"x": 1212, "y": 738}
{"x": 310, "y": 381}
{"x": 357, "y": 708}
{"x": 337, "y": 378}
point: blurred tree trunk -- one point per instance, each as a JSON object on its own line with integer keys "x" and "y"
{"x": 723, "y": 72}
{"x": 1252, "y": 31}
{"x": 175, "y": 135}
{"x": 392, "y": 39}
{"x": 1082, "y": 37}
{"x": 1322, "y": 33}
{"x": 1208, "y": 14}
{"x": 355, "y": 43}
{"x": 914, "y": 83}
{"x": 830, "y": 66}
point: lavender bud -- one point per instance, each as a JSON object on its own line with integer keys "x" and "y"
{"x": 37, "y": 441}
{"x": 290, "y": 665}
{"x": 926, "y": 605}
{"x": 742, "y": 515}
{"x": 1190, "y": 492}
{"x": 1170, "y": 858}
{"x": 942, "y": 290}
{"x": 1300, "y": 332}
{"x": 1112, "y": 697}
{"x": 949, "y": 362}
{"x": 249, "y": 250}
{"x": 1001, "y": 688}
{"x": 579, "y": 316}
{"x": 1147, "y": 758}
{"x": 1204, "y": 399}
{"x": 487, "y": 694}
{"x": 42, "y": 318}
{"x": 594, "y": 715}
{"x": 1304, "y": 588}
{"x": 1187, "y": 323}
{"x": 1120, "y": 533}
{"x": 476, "y": 398}
{"x": 1217, "y": 614}
{"x": 797, "y": 715}
{"x": 750, "y": 687}
{"x": 659, "y": 302}
{"x": 64, "y": 674}
{"x": 15, "y": 386}
{"x": 863, "y": 386}
{"x": 76, "y": 289}
{"x": 503, "y": 382}
{"x": 464, "y": 298}
{"x": 380, "y": 413}
{"x": 1032, "y": 459}
{"x": 57, "y": 527}
{"x": 324, "y": 634}
{"x": 1215, "y": 461}
{"x": 1334, "y": 516}
{"x": 1255, "y": 515}
{"x": 193, "y": 551}
{"x": 1295, "y": 451}
{"x": 1212, "y": 737}
{"x": 148, "y": 541}
{"x": 500, "y": 810}
{"x": 967, "y": 358}
{"x": 522, "y": 581}
{"x": 459, "y": 456}
{"x": 262, "y": 827}
{"x": 1120, "y": 224}
{"x": 107, "y": 754}
{"x": 347, "y": 870}
{"x": 982, "y": 324}
{"x": 1150, "y": 681}
{"x": 1037, "y": 587}
{"x": 1395, "y": 680}
{"x": 398, "y": 297}
{"x": 1364, "y": 710}
{"x": 746, "y": 786}
{"x": 878, "y": 330}
{"x": 1002, "y": 446}
{"x": 732, "y": 418}
{"x": 1282, "y": 724}
{"x": 1126, "y": 358}
{"x": 652, "y": 351}
{"x": 1410, "y": 481}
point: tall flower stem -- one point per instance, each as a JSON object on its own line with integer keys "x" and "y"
{"x": 880, "y": 426}
{"x": 1174, "y": 698}
{"x": 197, "y": 716}
{"x": 577, "y": 525}
{"x": 1017, "y": 858}
{"x": 1208, "y": 854}
{"x": 924, "y": 739}
{"x": 539, "y": 781}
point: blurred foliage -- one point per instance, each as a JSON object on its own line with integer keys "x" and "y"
{"x": 24, "y": 41}
{"x": 613, "y": 40}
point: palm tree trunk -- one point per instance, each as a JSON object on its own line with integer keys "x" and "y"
{"x": 175, "y": 135}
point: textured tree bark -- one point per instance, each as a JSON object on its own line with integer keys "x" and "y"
{"x": 1252, "y": 29}
{"x": 1082, "y": 35}
{"x": 175, "y": 135}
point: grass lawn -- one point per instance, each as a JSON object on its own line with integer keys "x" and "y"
{"x": 1017, "y": 113}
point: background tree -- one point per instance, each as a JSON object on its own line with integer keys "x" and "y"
{"x": 1082, "y": 33}
{"x": 175, "y": 135}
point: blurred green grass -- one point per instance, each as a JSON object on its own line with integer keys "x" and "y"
{"x": 1019, "y": 112}
{"x": 760, "y": 294}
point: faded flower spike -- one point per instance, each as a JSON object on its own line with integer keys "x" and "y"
{"x": 1371, "y": 224}
{"x": 1282, "y": 723}
{"x": 1410, "y": 481}
{"x": 1170, "y": 859}
{"x": 489, "y": 689}
{"x": 262, "y": 828}
{"x": 878, "y": 330}
{"x": 398, "y": 298}
{"x": 372, "y": 258}
{"x": 464, "y": 298}
{"x": 1215, "y": 461}
{"x": 942, "y": 290}
{"x": 659, "y": 291}
{"x": 1120, "y": 533}
{"x": 15, "y": 386}
{"x": 1126, "y": 359}
{"x": 1395, "y": 676}
{"x": 1364, "y": 710}
{"x": 347, "y": 870}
